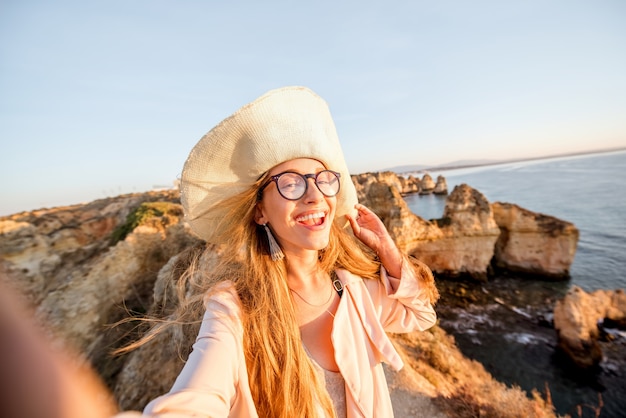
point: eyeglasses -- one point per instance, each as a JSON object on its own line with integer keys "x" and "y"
{"x": 292, "y": 186}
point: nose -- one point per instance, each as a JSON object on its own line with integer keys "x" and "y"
{"x": 313, "y": 193}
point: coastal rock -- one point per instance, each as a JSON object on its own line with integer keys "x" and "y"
{"x": 362, "y": 182}
{"x": 158, "y": 364}
{"x": 80, "y": 266}
{"x": 39, "y": 246}
{"x": 532, "y": 242}
{"x": 576, "y": 319}
{"x": 468, "y": 235}
{"x": 404, "y": 226}
{"x": 409, "y": 184}
{"x": 441, "y": 188}
{"x": 473, "y": 235}
{"x": 44, "y": 247}
{"x": 427, "y": 184}
{"x": 462, "y": 243}
{"x": 403, "y": 185}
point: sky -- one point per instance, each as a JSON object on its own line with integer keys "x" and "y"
{"x": 103, "y": 98}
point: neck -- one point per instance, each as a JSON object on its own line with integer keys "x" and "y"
{"x": 303, "y": 272}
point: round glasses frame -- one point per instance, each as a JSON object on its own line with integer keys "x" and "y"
{"x": 327, "y": 188}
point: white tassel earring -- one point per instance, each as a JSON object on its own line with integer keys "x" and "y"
{"x": 275, "y": 251}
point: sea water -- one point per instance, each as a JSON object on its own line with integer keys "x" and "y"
{"x": 503, "y": 333}
{"x": 589, "y": 191}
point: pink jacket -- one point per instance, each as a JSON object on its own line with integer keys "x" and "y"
{"x": 214, "y": 381}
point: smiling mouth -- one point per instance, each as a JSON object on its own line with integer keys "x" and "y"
{"x": 312, "y": 219}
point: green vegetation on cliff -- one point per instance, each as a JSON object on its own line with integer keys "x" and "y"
{"x": 141, "y": 215}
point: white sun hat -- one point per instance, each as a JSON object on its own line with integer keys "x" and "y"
{"x": 281, "y": 125}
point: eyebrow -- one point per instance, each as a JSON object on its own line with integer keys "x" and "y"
{"x": 293, "y": 170}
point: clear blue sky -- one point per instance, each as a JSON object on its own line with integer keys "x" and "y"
{"x": 108, "y": 97}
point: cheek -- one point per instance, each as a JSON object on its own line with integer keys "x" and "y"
{"x": 332, "y": 204}
{"x": 275, "y": 210}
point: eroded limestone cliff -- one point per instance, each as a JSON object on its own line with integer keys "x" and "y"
{"x": 473, "y": 234}
{"x": 85, "y": 267}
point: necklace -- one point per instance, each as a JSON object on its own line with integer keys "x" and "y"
{"x": 336, "y": 285}
{"x": 310, "y": 304}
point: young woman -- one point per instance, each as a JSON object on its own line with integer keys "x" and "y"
{"x": 308, "y": 282}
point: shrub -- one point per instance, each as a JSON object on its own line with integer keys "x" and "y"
{"x": 141, "y": 215}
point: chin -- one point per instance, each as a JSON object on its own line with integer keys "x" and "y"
{"x": 319, "y": 244}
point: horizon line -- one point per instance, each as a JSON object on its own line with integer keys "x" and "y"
{"x": 447, "y": 166}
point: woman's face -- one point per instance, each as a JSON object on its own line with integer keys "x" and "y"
{"x": 298, "y": 225}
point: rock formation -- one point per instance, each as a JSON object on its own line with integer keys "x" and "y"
{"x": 403, "y": 185}
{"x": 403, "y": 225}
{"x": 533, "y": 243}
{"x": 86, "y": 265}
{"x": 441, "y": 187}
{"x": 427, "y": 184}
{"x": 461, "y": 243}
{"x": 473, "y": 233}
{"x": 576, "y": 319}
{"x": 468, "y": 233}
{"x": 410, "y": 184}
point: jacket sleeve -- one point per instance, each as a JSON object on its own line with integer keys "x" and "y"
{"x": 403, "y": 304}
{"x": 207, "y": 385}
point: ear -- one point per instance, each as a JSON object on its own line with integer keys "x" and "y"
{"x": 259, "y": 214}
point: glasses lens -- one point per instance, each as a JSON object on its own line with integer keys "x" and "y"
{"x": 328, "y": 183}
{"x": 291, "y": 185}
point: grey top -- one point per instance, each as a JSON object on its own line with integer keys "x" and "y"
{"x": 335, "y": 385}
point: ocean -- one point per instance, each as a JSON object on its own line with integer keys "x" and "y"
{"x": 509, "y": 339}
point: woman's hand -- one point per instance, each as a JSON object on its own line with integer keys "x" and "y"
{"x": 368, "y": 228}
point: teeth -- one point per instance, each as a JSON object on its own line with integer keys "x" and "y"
{"x": 310, "y": 216}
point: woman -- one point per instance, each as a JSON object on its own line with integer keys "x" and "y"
{"x": 308, "y": 282}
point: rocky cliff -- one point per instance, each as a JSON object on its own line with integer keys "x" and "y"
{"x": 578, "y": 317}
{"x": 533, "y": 243}
{"x": 82, "y": 266}
{"x": 404, "y": 185}
{"x": 473, "y": 235}
{"x": 85, "y": 267}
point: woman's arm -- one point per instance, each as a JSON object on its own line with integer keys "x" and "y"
{"x": 208, "y": 383}
{"x": 405, "y": 304}
{"x": 406, "y": 292}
